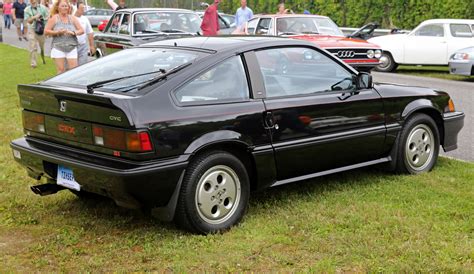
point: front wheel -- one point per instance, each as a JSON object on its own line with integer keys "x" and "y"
{"x": 419, "y": 147}
{"x": 387, "y": 63}
{"x": 214, "y": 193}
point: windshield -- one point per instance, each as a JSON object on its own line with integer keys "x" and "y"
{"x": 125, "y": 63}
{"x": 152, "y": 22}
{"x": 301, "y": 25}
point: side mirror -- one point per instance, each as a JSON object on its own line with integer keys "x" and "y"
{"x": 364, "y": 80}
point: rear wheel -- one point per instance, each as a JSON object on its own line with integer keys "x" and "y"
{"x": 214, "y": 193}
{"x": 419, "y": 147}
{"x": 387, "y": 63}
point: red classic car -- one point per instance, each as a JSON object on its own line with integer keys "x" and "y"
{"x": 322, "y": 31}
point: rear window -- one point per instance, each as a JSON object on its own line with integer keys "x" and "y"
{"x": 126, "y": 63}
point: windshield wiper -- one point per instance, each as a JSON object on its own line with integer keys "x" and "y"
{"x": 310, "y": 32}
{"x": 91, "y": 87}
{"x": 164, "y": 75}
{"x": 287, "y": 33}
{"x": 151, "y": 31}
{"x": 174, "y": 31}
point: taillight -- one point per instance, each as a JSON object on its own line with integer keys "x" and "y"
{"x": 33, "y": 122}
{"x": 122, "y": 140}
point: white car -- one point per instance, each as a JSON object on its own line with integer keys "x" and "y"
{"x": 431, "y": 43}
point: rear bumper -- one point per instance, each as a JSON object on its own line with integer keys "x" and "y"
{"x": 453, "y": 123}
{"x": 130, "y": 184}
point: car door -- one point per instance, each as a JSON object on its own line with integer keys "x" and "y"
{"x": 116, "y": 35}
{"x": 427, "y": 45}
{"x": 461, "y": 36}
{"x": 318, "y": 120}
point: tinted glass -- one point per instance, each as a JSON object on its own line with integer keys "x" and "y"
{"x": 170, "y": 22}
{"x": 435, "y": 30}
{"x": 126, "y": 63}
{"x": 299, "y": 71}
{"x": 307, "y": 24}
{"x": 460, "y": 30}
{"x": 226, "y": 82}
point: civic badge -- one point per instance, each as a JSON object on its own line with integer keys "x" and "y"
{"x": 62, "y": 106}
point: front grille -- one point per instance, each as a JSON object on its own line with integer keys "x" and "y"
{"x": 345, "y": 53}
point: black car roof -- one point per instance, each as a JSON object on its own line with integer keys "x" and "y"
{"x": 227, "y": 43}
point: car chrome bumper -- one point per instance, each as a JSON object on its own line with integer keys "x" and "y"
{"x": 453, "y": 123}
{"x": 130, "y": 184}
{"x": 461, "y": 67}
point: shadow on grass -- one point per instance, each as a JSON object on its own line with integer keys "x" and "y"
{"x": 101, "y": 213}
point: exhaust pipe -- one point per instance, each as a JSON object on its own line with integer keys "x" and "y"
{"x": 46, "y": 189}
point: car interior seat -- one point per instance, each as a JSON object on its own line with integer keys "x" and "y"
{"x": 139, "y": 27}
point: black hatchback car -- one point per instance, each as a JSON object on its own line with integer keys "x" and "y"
{"x": 190, "y": 127}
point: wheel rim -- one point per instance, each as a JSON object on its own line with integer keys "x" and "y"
{"x": 218, "y": 194}
{"x": 420, "y": 147}
{"x": 384, "y": 62}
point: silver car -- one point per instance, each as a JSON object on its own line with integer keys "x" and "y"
{"x": 96, "y": 16}
{"x": 462, "y": 62}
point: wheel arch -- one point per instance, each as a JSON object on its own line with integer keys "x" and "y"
{"x": 426, "y": 107}
{"x": 228, "y": 141}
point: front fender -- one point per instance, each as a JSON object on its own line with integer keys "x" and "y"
{"x": 418, "y": 105}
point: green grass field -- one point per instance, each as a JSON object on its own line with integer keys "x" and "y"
{"x": 441, "y": 72}
{"x": 365, "y": 220}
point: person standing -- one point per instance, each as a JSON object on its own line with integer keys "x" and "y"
{"x": 114, "y": 5}
{"x": 35, "y": 14}
{"x": 64, "y": 29}
{"x": 18, "y": 13}
{"x": 282, "y": 9}
{"x": 243, "y": 15}
{"x": 7, "y": 13}
{"x": 86, "y": 40}
{"x": 210, "y": 20}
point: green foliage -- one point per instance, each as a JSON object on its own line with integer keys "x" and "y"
{"x": 405, "y": 14}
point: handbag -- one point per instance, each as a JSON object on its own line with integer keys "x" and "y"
{"x": 39, "y": 27}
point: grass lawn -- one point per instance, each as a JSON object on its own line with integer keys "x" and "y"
{"x": 441, "y": 72}
{"x": 364, "y": 220}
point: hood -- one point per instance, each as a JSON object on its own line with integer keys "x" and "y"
{"x": 327, "y": 41}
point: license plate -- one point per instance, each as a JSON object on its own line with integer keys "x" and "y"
{"x": 66, "y": 178}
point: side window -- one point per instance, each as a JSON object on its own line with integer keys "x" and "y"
{"x": 263, "y": 26}
{"x": 226, "y": 82}
{"x": 460, "y": 30}
{"x": 114, "y": 24}
{"x": 434, "y": 30}
{"x": 222, "y": 23}
{"x": 299, "y": 71}
{"x": 125, "y": 25}
{"x": 252, "y": 25}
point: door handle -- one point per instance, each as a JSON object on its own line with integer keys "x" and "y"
{"x": 268, "y": 120}
{"x": 345, "y": 96}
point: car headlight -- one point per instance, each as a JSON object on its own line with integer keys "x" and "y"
{"x": 460, "y": 56}
{"x": 370, "y": 53}
{"x": 378, "y": 53}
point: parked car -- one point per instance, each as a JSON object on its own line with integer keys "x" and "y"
{"x": 96, "y": 16}
{"x": 430, "y": 43}
{"x": 462, "y": 62}
{"x": 189, "y": 127}
{"x": 102, "y": 25}
{"x": 322, "y": 31}
{"x": 150, "y": 24}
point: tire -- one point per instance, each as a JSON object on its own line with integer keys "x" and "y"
{"x": 418, "y": 148}
{"x": 214, "y": 193}
{"x": 387, "y": 64}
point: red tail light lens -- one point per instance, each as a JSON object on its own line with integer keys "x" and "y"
{"x": 116, "y": 139}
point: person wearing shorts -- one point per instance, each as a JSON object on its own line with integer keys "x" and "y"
{"x": 64, "y": 29}
{"x": 34, "y": 13}
{"x": 18, "y": 13}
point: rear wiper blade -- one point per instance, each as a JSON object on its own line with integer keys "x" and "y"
{"x": 173, "y": 31}
{"x": 164, "y": 75}
{"x": 91, "y": 87}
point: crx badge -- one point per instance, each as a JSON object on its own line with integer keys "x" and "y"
{"x": 62, "y": 106}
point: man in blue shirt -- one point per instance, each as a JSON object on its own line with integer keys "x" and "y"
{"x": 243, "y": 15}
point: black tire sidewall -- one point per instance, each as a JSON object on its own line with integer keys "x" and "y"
{"x": 415, "y": 120}
{"x": 187, "y": 198}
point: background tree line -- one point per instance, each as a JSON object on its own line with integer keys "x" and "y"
{"x": 404, "y": 14}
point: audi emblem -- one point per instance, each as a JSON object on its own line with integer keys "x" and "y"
{"x": 345, "y": 54}
{"x": 62, "y": 106}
